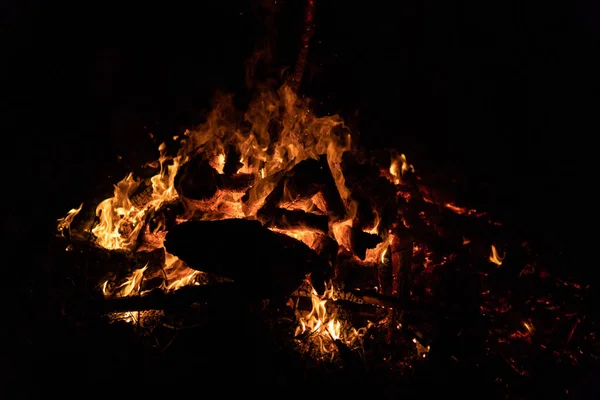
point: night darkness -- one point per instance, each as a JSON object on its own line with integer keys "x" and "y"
{"x": 503, "y": 95}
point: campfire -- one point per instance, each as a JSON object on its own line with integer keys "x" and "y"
{"x": 353, "y": 257}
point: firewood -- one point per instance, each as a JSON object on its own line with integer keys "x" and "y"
{"x": 374, "y": 298}
{"x": 157, "y": 299}
{"x": 401, "y": 248}
{"x": 361, "y": 241}
{"x": 283, "y": 218}
{"x": 232, "y": 162}
{"x": 235, "y": 182}
{"x": 198, "y": 180}
{"x": 264, "y": 263}
{"x": 303, "y": 181}
{"x": 350, "y": 273}
{"x": 103, "y": 264}
{"x": 326, "y": 247}
{"x": 229, "y": 292}
{"x": 143, "y": 194}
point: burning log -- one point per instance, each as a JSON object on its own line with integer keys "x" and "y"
{"x": 326, "y": 247}
{"x": 232, "y": 163}
{"x": 159, "y": 300}
{"x": 227, "y": 292}
{"x": 265, "y": 263}
{"x": 401, "y": 249}
{"x": 198, "y": 180}
{"x": 374, "y": 194}
{"x": 361, "y": 241}
{"x": 282, "y": 218}
{"x": 303, "y": 181}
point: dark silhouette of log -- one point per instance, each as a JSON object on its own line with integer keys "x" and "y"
{"x": 402, "y": 249}
{"x": 283, "y": 218}
{"x": 303, "y": 181}
{"x": 197, "y": 180}
{"x": 326, "y": 247}
{"x": 351, "y": 273}
{"x": 157, "y": 299}
{"x": 220, "y": 293}
{"x": 361, "y": 241}
{"x": 264, "y": 263}
{"x": 232, "y": 162}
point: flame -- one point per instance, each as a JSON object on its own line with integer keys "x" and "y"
{"x": 278, "y": 131}
{"x": 317, "y": 319}
{"x": 398, "y": 168}
{"x": 341, "y": 232}
{"x": 301, "y": 135}
{"x": 378, "y": 254}
{"x": 495, "y": 257}
{"x": 179, "y": 274}
{"x": 120, "y": 220}
{"x": 322, "y": 324}
{"x": 64, "y": 223}
{"x": 422, "y": 351}
{"x": 134, "y": 283}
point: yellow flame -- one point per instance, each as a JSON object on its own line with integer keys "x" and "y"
{"x": 120, "y": 220}
{"x": 65, "y": 222}
{"x": 495, "y": 257}
{"x": 131, "y": 286}
{"x": 398, "y": 168}
{"x": 324, "y": 326}
{"x": 265, "y": 153}
{"x": 178, "y": 273}
{"x": 134, "y": 283}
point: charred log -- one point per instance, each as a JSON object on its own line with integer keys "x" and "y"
{"x": 232, "y": 162}
{"x": 219, "y": 293}
{"x": 165, "y": 217}
{"x": 303, "y": 181}
{"x": 326, "y": 247}
{"x": 361, "y": 241}
{"x": 351, "y": 273}
{"x": 264, "y": 263}
{"x": 159, "y": 300}
{"x": 198, "y": 180}
{"x": 283, "y": 218}
{"x": 401, "y": 249}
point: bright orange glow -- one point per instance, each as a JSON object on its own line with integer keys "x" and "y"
{"x": 398, "y": 168}
{"x": 495, "y": 257}
{"x": 65, "y": 222}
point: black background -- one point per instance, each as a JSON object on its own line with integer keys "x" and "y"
{"x": 503, "y": 92}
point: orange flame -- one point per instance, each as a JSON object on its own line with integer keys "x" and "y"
{"x": 324, "y": 326}
{"x": 120, "y": 220}
{"x": 495, "y": 257}
{"x": 65, "y": 222}
{"x": 398, "y": 168}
